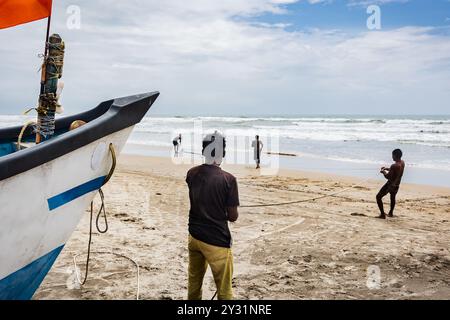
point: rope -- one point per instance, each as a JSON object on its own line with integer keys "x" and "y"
{"x": 196, "y": 153}
{"x": 48, "y": 101}
{"x": 337, "y": 193}
{"x": 46, "y": 124}
{"x": 88, "y": 253}
{"x": 56, "y": 60}
{"x": 101, "y": 211}
{"x": 138, "y": 285}
{"x": 295, "y": 202}
{"x": 114, "y": 163}
{"x": 22, "y": 132}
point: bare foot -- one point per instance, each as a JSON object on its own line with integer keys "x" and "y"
{"x": 381, "y": 216}
{"x": 390, "y": 215}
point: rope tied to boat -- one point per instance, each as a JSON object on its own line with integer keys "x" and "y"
{"x": 22, "y": 132}
{"x": 52, "y": 69}
{"x": 101, "y": 211}
{"x": 54, "y": 59}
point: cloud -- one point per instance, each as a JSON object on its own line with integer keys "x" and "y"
{"x": 366, "y": 3}
{"x": 206, "y": 57}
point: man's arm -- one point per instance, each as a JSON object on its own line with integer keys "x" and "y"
{"x": 391, "y": 172}
{"x": 233, "y": 214}
{"x": 233, "y": 201}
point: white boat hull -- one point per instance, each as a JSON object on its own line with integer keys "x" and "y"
{"x": 41, "y": 208}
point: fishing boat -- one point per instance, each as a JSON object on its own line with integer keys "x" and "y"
{"x": 51, "y": 171}
{"x": 46, "y": 188}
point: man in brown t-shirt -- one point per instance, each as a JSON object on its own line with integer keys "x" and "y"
{"x": 214, "y": 199}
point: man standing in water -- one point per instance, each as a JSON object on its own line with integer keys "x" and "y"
{"x": 394, "y": 176}
{"x": 214, "y": 198}
{"x": 257, "y": 146}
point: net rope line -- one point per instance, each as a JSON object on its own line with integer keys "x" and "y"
{"x": 336, "y": 194}
{"x": 101, "y": 211}
{"x": 295, "y": 202}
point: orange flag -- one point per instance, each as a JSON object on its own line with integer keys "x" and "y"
{"x": 15, "y": 12}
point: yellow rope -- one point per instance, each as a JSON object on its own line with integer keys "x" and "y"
{"x": 113, "y": 167}
{"x": 22, "y": 132}
{"x": 102, "y": 209}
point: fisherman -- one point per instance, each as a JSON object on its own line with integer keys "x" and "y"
{"x": 257, "y": 146}
{"x": 176, "y": 143}
{"x": 214, "y": 199}
{"x": 394, "y": 176}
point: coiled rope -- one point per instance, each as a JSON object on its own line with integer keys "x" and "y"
{"x": 101, "y": 211}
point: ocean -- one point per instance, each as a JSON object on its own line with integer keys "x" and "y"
{"x": 349, "y": 145}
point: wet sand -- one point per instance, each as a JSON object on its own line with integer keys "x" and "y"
{"x": 331, "y": 248}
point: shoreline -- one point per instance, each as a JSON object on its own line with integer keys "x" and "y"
{"x": 138, "y": 162}
{"x": 413, "y": 176}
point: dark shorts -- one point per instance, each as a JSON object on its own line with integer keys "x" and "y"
{"x": 388, "y": 188}
{"x": 175, "y": 143}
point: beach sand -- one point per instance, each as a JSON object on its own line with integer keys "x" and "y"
{"x": 331, "y": 248}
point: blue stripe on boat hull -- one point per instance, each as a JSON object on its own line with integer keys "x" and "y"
{"x": 22, "y": 284}
{"x": 74, "y": 193}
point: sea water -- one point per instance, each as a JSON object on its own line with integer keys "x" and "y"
{"x": 348, "y": 145}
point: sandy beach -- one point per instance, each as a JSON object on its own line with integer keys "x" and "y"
{"x": 331, "y": 248}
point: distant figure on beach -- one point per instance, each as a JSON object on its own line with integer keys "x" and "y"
{"x": 257, "y": 146}
{"x": 394, "y": 176}
{"x": 214, "y": 198}
{"x": 176, "y": 143}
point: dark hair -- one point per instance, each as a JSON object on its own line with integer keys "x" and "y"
{"x": 211, "y": 138}
{"x": 397, "y": 154}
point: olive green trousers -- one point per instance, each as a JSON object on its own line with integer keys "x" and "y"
{"x": 219, "y": 259}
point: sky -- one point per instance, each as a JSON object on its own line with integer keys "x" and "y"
{"x": 240, "y": 57}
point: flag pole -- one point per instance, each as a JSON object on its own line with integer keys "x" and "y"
{"x": 45, "y": 51}
{"x": 44, "y": 69}
{"x": 48, "y": 32}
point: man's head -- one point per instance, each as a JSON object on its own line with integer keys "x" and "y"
{"x": 397, "y": 154}
{"x": 214, "y": 148}
{"x": 257, "y": 137}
